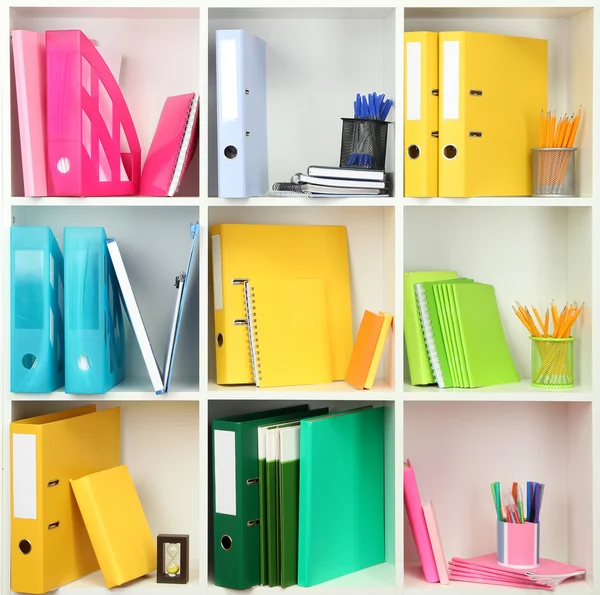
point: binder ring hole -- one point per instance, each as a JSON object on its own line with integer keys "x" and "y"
{"x": 220, "y": 340}
{"x": 84, "y": 362}
{"x": 63, "y": 165}
{"x": 226, "y": 542}
{"x": 450, "y": 151}
{"x": 29, "y": 361}
{"x": 24, "y": 546}
{"x": 413, "y": 151}
{"x": 230, "y": 152}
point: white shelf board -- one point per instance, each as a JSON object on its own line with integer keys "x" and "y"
{"x": 333, "y": 391}
{"x": 415, "y": 584}
{"x": 499, "y": 201}
{"x": 93, "y": 584}
{"x": 516, "y": 391}
{"x": 107, "y": 201}
{"x": 129, "y": 390}
{"x": 376, "y": 579}
{"x": 301, "y": 201}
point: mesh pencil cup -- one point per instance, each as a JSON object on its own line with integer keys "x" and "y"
{"x": 552, "y": 362}
{"x": 554, "y": 172}
{"x": 364, "y": 143}
{"x": 518, "y": 545}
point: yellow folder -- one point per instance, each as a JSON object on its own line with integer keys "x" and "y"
{"x": 271, "y": 252}
{"x": 117, "y": 525}
{"x": 385, "y": 327}
{"x": 492, "y": 90}
{"x": 289, "y": 332}
{"x": 50, "y": 546}
{"x": 421, "y": 114}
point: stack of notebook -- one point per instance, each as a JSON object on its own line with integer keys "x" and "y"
{"x": 312, "y": 483}
{"x": 486, "y": 570}
{"x": 323, "y": 181}
{"x": 281, "y": 303}
{"x": 454, "y": 335}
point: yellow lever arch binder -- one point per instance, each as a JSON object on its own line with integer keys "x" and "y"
{"x": 49, "y": 544}
{"x": 421, "y": 114}
{"x": 492, "y": 89}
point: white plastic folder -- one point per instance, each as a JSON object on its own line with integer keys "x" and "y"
{"x": 241, "y": 114}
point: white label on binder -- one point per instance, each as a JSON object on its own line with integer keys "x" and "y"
{"x": 24, "y": 476}
{"x": 217, "y": 272}
{"x": 451, "y": 80}
{"x": 224, "y": 445}
{"x": 413, "y": 80}
{"x": 228, "y": 73}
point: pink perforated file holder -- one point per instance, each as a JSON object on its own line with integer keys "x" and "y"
{"x": 518, "y": 545}
{"x": 79, "y": 140}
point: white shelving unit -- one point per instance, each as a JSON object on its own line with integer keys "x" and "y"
{"x": 319, "y": 55}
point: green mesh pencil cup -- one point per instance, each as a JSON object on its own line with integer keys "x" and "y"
{"x": 552, "y": 362}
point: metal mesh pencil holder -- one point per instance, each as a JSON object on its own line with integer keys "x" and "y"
{"x": 364, "y": 143}
{"x": 554, "y": 172}
{"x": 552, "y": 362}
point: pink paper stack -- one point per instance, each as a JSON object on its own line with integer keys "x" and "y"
{"x": 486, "y": 570}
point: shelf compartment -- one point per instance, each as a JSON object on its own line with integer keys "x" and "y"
{"x": 306, "y": 49}
{"x": 371, "y": 242}
{"x": 506, "y": 442}
{"x": 498, "y": 201}
{"x": 151, "y": 42}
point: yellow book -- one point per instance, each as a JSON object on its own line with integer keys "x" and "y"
{"x": 276, "y": 252}
{"x": 492, "y": 89}
{"x": 288, "y": 332}
{"x": 49, "y": 544}
{"x": 421, "y": 114}
{"x": 117, "y": 525}
{"x": 385, "y": 327}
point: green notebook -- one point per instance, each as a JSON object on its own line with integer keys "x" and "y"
{"x": 433, "y": 320}
{"x": 341, "y": 519}
{"x": 289, "y": 482}
{"x": 416, "y": 352}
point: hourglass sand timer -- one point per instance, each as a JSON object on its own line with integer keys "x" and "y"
{"x": 173, "y": 559}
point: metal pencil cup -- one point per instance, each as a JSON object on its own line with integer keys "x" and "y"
{"x": 554, "y": 172}
{"x": 364, "y": 143}
{"x": 552, "y": 362}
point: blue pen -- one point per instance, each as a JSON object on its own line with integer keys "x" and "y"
{"x": 537, "y": 503}
{"x": 386, "y": 109}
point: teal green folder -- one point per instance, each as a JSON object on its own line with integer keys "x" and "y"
{"x": 236, "y": 510}
{"x": 272, "y": 493}
{"x": 341, "y": 519}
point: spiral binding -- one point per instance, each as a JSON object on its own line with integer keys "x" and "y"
{"x": 190, "y": 122}
{"x": 250, "y": 301}
{"x": 425, "y": 320}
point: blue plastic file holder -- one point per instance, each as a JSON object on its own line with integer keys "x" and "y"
{"x": 36, "y": 321}
{"x": 94, "y": 333}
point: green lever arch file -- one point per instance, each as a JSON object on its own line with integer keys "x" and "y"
{"x": 341, "y": 522}
{"x": 235, "y": 495}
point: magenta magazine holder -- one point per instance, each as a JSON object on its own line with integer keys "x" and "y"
{"x": 84, "y": 153}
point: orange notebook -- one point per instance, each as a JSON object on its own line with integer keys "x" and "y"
{"x": 364, "y": 349}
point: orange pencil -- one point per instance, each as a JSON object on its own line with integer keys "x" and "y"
{"x": 554, "y": 315}
{"x": 542, "y": 140}
{"x": 523, "y": 320}
{"x": 574, "y": 130}
{"x": 546, "y": 321}
{"x": 565, "y": 324}
{"x": 561, "y": 320}
{"x": 549, "y": 130}
{"x": 539, "y": 319}
{"x": 568, "y": 131}
{"x": 562, "y": 129}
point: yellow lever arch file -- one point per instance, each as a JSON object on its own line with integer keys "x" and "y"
{"x": 421, "y": 114}
{"x": 271, "y": 252}
{"x": 50, "y": 546}
{"x": 117, "y": 525}
{"x": 492, "y": 90}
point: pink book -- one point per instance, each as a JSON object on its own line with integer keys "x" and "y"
{"x": 29, "y": 51}
{"x": 436, "y": 542}
{"x": 172, "y": 147}
{"x": 468, "y": 578}
{"x": 416, "y": 519}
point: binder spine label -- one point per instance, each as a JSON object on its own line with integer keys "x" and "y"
{"x": 24, "y": 477}
{"x": 224, "y": 453}
{"x": 425, "y": 319}
{"x": 413, "y": 80}
{"x": 451, "y": 83}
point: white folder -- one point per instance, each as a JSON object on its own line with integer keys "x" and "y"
{"x": 241, "y": 114}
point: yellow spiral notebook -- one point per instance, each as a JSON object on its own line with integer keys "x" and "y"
{"x": 116, "y": 523}
{"x": 288, "y": 332}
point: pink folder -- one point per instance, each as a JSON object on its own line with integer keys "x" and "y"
{"x": 436, "y": 542}
{"x": 29, "y": 53}
{"x": 172, "y": 147}
{"x": 470, "y": 578}
{"x": 416, "y": 519}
